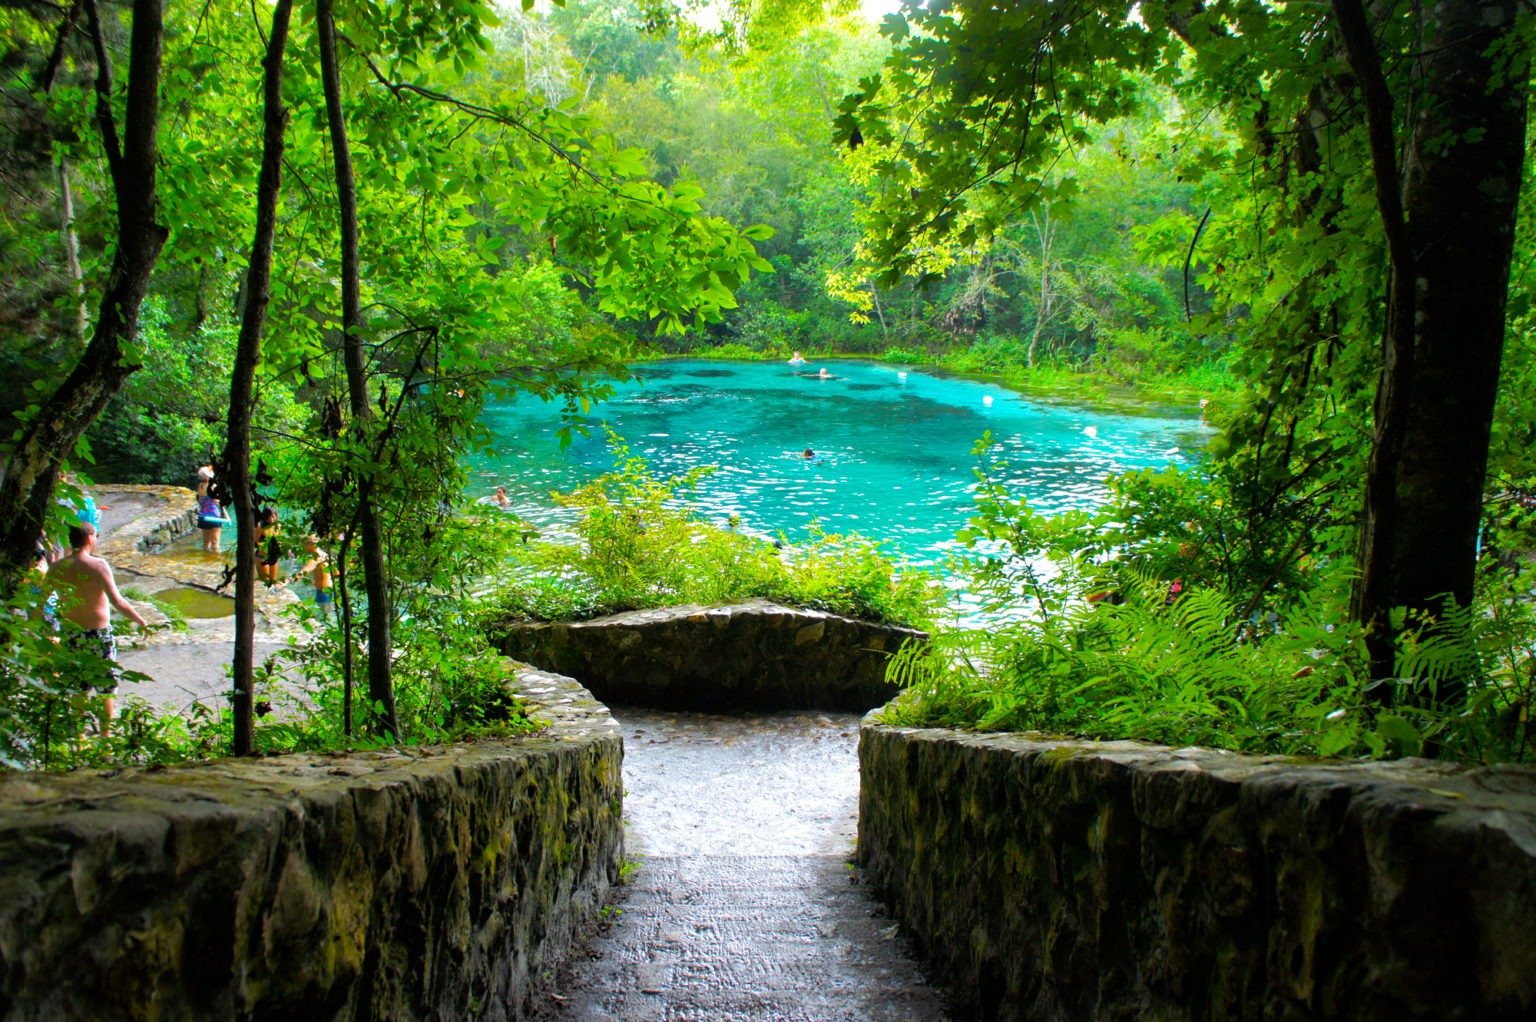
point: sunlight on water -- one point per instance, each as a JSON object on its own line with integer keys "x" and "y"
{"x": 893, "y": 451}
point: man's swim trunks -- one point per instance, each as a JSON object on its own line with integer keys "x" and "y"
{"x": 103, "y": 643}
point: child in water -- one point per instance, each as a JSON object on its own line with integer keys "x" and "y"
{"x": 318, "y": 570}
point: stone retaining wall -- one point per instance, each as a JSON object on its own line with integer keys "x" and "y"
{"x": 1062, "y": 880}
{"x": 751, "y": 655}
{"x": 435, "y": 883}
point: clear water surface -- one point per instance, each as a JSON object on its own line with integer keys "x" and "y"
{"x": 893, "y": 447}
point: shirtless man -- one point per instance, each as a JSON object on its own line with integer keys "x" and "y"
{"x": 85, "y": 586}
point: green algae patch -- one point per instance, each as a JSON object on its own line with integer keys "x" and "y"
{"x": 195, "y": 603}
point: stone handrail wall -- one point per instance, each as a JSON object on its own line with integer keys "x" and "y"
{"x": 435, "y": 883}
{"x": 750, "y": 655}
{"x": 1068, "y": 880}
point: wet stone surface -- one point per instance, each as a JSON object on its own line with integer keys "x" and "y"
{"x": 743, "y": 905}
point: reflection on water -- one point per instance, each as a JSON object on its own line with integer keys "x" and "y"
{"x": 188, "y": 549}
{"x": 893, "y": 448}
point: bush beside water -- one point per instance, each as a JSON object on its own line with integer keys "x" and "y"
{"x": 640, "y": 544}
{"x": 1136, "y": 629}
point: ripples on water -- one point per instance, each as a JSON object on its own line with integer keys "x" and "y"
{"x": 894, "y": 451}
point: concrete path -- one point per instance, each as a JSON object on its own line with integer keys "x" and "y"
{"x": 743, "y": 906}
{"x": 195, "y": 671}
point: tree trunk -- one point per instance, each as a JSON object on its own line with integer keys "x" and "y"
{"x": 381, "y": 694}
{"x": 242, "y": 400}
{"x": 72, "y": 249}
{"x": 1047, "y": 232}
{"x": 348, "y": 666}
{"x": 32, "y": 467}
{"x": 874, "y": 293}
{"x": 46, "y": 82}
{"x": 1445, "y": 326}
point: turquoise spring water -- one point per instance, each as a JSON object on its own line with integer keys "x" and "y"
{"x": 893, "y": 448}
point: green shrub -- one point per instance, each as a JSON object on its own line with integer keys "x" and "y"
{"x": 46, "y": 722}
{"x": 1196, "y": 673}
{"x": 640, "y": 544}
{"x": 1147, "y": 620}
{"x": 450, "y": 685}
{"x": 732, "y": 350}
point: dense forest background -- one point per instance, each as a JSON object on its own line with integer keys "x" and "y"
{"x": 1096, "y": 280}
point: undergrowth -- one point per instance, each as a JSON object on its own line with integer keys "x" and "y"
{"x": 641, "y": 544}
{"x": 450, "y": 685}
{"x": 1179, "y": 675}
{"x": 1130, "y": 632}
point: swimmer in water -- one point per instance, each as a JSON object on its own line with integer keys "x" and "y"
{"x": 809, "y": 454}
{"x": 797, "y": 360}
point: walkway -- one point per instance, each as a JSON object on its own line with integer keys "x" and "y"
{"x": 743, "y": 906}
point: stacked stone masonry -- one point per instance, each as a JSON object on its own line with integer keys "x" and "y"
{"x": 1064, "y": 880}
{"x": 435, "y": 884}
{"x": 752, "y": 655}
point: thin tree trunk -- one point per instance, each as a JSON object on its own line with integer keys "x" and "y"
{"x": 885, "y": 331}
{"x": 381, "y": 694}
{"x": 348, "y": 665}
{"x": 46, "y": 81}
{"x": 72, "y": 249}
{"x": 1045, "y": 232}
{"x": 31, "y": 469}
{"x": 237, "y": 452}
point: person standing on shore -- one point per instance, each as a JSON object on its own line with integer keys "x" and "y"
{"x": 87, "y": 594}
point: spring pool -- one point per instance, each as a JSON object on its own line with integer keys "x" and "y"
{"x": 893, "y": 447}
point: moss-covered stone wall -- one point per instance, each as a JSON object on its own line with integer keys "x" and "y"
{"x": 1063, "y": 880}
{"x": 750, "y": 655}
{"x": 422, "y": 884}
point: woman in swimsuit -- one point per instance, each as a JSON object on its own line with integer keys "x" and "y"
{"x": 268, "y": 555}
{"x": 210, "y": 519}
